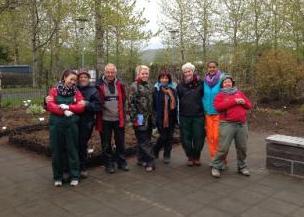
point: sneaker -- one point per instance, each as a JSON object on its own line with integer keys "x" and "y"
{"x": 84, "y": 174}
{"x": 149, "y": 168}
{"x": 58, "y": 183}
{"x": 74, "y": 182}
{"x": 124, "y": 167}
{"x": 110, "y": 170}
{"x": 166, "y": 160}
{"x": 215, "y": 173}
{"x": 141, "y": 163}
{"x": 244, "y": 172}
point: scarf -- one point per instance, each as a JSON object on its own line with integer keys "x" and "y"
{"x": 230, "y": 90}
{"x": 194, "y": 83}
{"x": 66, "y": 91}
{"x": 212, "y": 79}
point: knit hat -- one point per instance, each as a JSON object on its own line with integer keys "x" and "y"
{"x": 225, "y": 77}
{"x": 84, "y": 72}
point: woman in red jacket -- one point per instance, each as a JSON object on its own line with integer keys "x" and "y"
{"x": 232, "y": 105}
{"x": 64, "y": 103}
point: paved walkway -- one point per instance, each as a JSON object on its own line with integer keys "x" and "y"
{"x": 171, "y": 191}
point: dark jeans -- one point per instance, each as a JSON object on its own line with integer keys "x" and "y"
{"x": 85, "y": 132}
{"x": 164, "y": 141}
{"x": 145, "y": 151}
{"x": 113, "y": 152}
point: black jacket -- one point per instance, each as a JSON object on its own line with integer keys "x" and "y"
{"x": 91, "y": 96}
{"x": 190, "y": 98}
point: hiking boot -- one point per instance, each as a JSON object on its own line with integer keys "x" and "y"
{"x": 166, "y": 160}
{"x": 84, "y": 174}
{"x": 244, "y": 172}
{"x": 215, "y": 173}
{"x": 124, "y": 167}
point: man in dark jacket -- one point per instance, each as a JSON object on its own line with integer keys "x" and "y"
{"x": 87, "y": 118}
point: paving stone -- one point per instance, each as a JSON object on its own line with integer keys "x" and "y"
{"x": 229, "y": 205}
{"x": 258, "y": 212}
{"x": 211, "y": 212}
{"x": 277, "y": 206}
{"x": 296, "y": 198}
{"x": 298, "y": 213}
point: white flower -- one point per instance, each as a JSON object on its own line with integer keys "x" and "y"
{"x": 4, "y": 128}
{"x": 29, "y": 101}
{"x": 41, "y": 119}
{"x": 24, "y": 101}
{"x": 25, "y": 104}
{"x": 90, "y": 150}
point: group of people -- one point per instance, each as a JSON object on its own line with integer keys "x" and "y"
{"x": 212, "y": 106}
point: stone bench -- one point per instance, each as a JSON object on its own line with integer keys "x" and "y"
{"x": 285, "y": 154}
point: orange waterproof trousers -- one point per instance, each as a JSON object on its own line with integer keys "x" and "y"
{"x": 212, "y": 123}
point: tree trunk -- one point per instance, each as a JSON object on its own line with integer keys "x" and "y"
{"x": 99, "y": 38}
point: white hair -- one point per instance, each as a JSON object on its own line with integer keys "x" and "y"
{"x": 188, "y": 66}
{"x": 110, "y": 65}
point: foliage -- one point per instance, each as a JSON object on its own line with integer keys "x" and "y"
{"x": 35, "y": 109}
{"x": 277, "y": 75}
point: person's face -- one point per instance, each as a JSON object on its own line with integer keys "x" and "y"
{"x": 188, "y": 74}
{"x": 70, "y": 80}
{"x": 164, "y": 80}
{"x": 110, "y": 73}
{"x": 227, "y": 83}
{"x": 83, "y": 80}
{"x": 144, "y": 75}
{"x": 212, "y": 68}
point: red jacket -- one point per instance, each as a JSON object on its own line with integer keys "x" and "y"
{"x": 54, "y": 108}
{"x": 229, "y": 110}
{"x": 121, "y": 93}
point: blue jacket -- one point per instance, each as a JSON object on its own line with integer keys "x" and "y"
{"x": 209, "y": 95}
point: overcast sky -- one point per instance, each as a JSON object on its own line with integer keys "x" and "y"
{"x": 151, "y": 13}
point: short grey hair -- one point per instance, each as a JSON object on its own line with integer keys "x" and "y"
{"x": 109, "y": 65}
{"x": 188, "y": 66}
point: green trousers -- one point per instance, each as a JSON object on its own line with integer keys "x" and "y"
{"x": 230, "y": 131}
{"x": 192, "y": 131}
{"x": 64, "y": 144}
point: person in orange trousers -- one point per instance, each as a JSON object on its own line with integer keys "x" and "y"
{"x": 212, "y": 82}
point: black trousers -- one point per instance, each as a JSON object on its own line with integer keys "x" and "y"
{"x": 145, "y": 152}
{"x": 85, "y": 132}
{"x": 164, "y": 141}
{"x": 113, "y": 152}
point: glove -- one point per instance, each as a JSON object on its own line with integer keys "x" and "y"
{"x": 64, "y": 107}
{"x": 68, "y": 113}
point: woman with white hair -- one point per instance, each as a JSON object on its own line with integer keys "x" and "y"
{"x": 191, "y": 114}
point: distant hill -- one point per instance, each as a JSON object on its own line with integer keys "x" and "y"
{"x": 148, "y": 56}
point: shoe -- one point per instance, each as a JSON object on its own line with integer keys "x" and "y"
{"x": 110, "y": 170}
{"x": 244, "y": 172}
{"x": 166, "y": 160}
{"x": 190, "y": 163}
{"x": 215, "y": 173}
{"x": 149, "y": 168}
{"x": 58, "y": 183}
{"x": 197, "y": 163}
{"x": 84, "y": 174}
{"x": 124, "y": 167}
{"x": 74, "y": 182}
{"x": 140, "y": 163}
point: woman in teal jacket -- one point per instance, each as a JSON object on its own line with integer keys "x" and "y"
{"x": 212, "y": 83}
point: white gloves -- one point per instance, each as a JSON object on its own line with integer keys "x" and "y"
{"x": 64, "y": 107}
{"x": 68, "y": 113}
